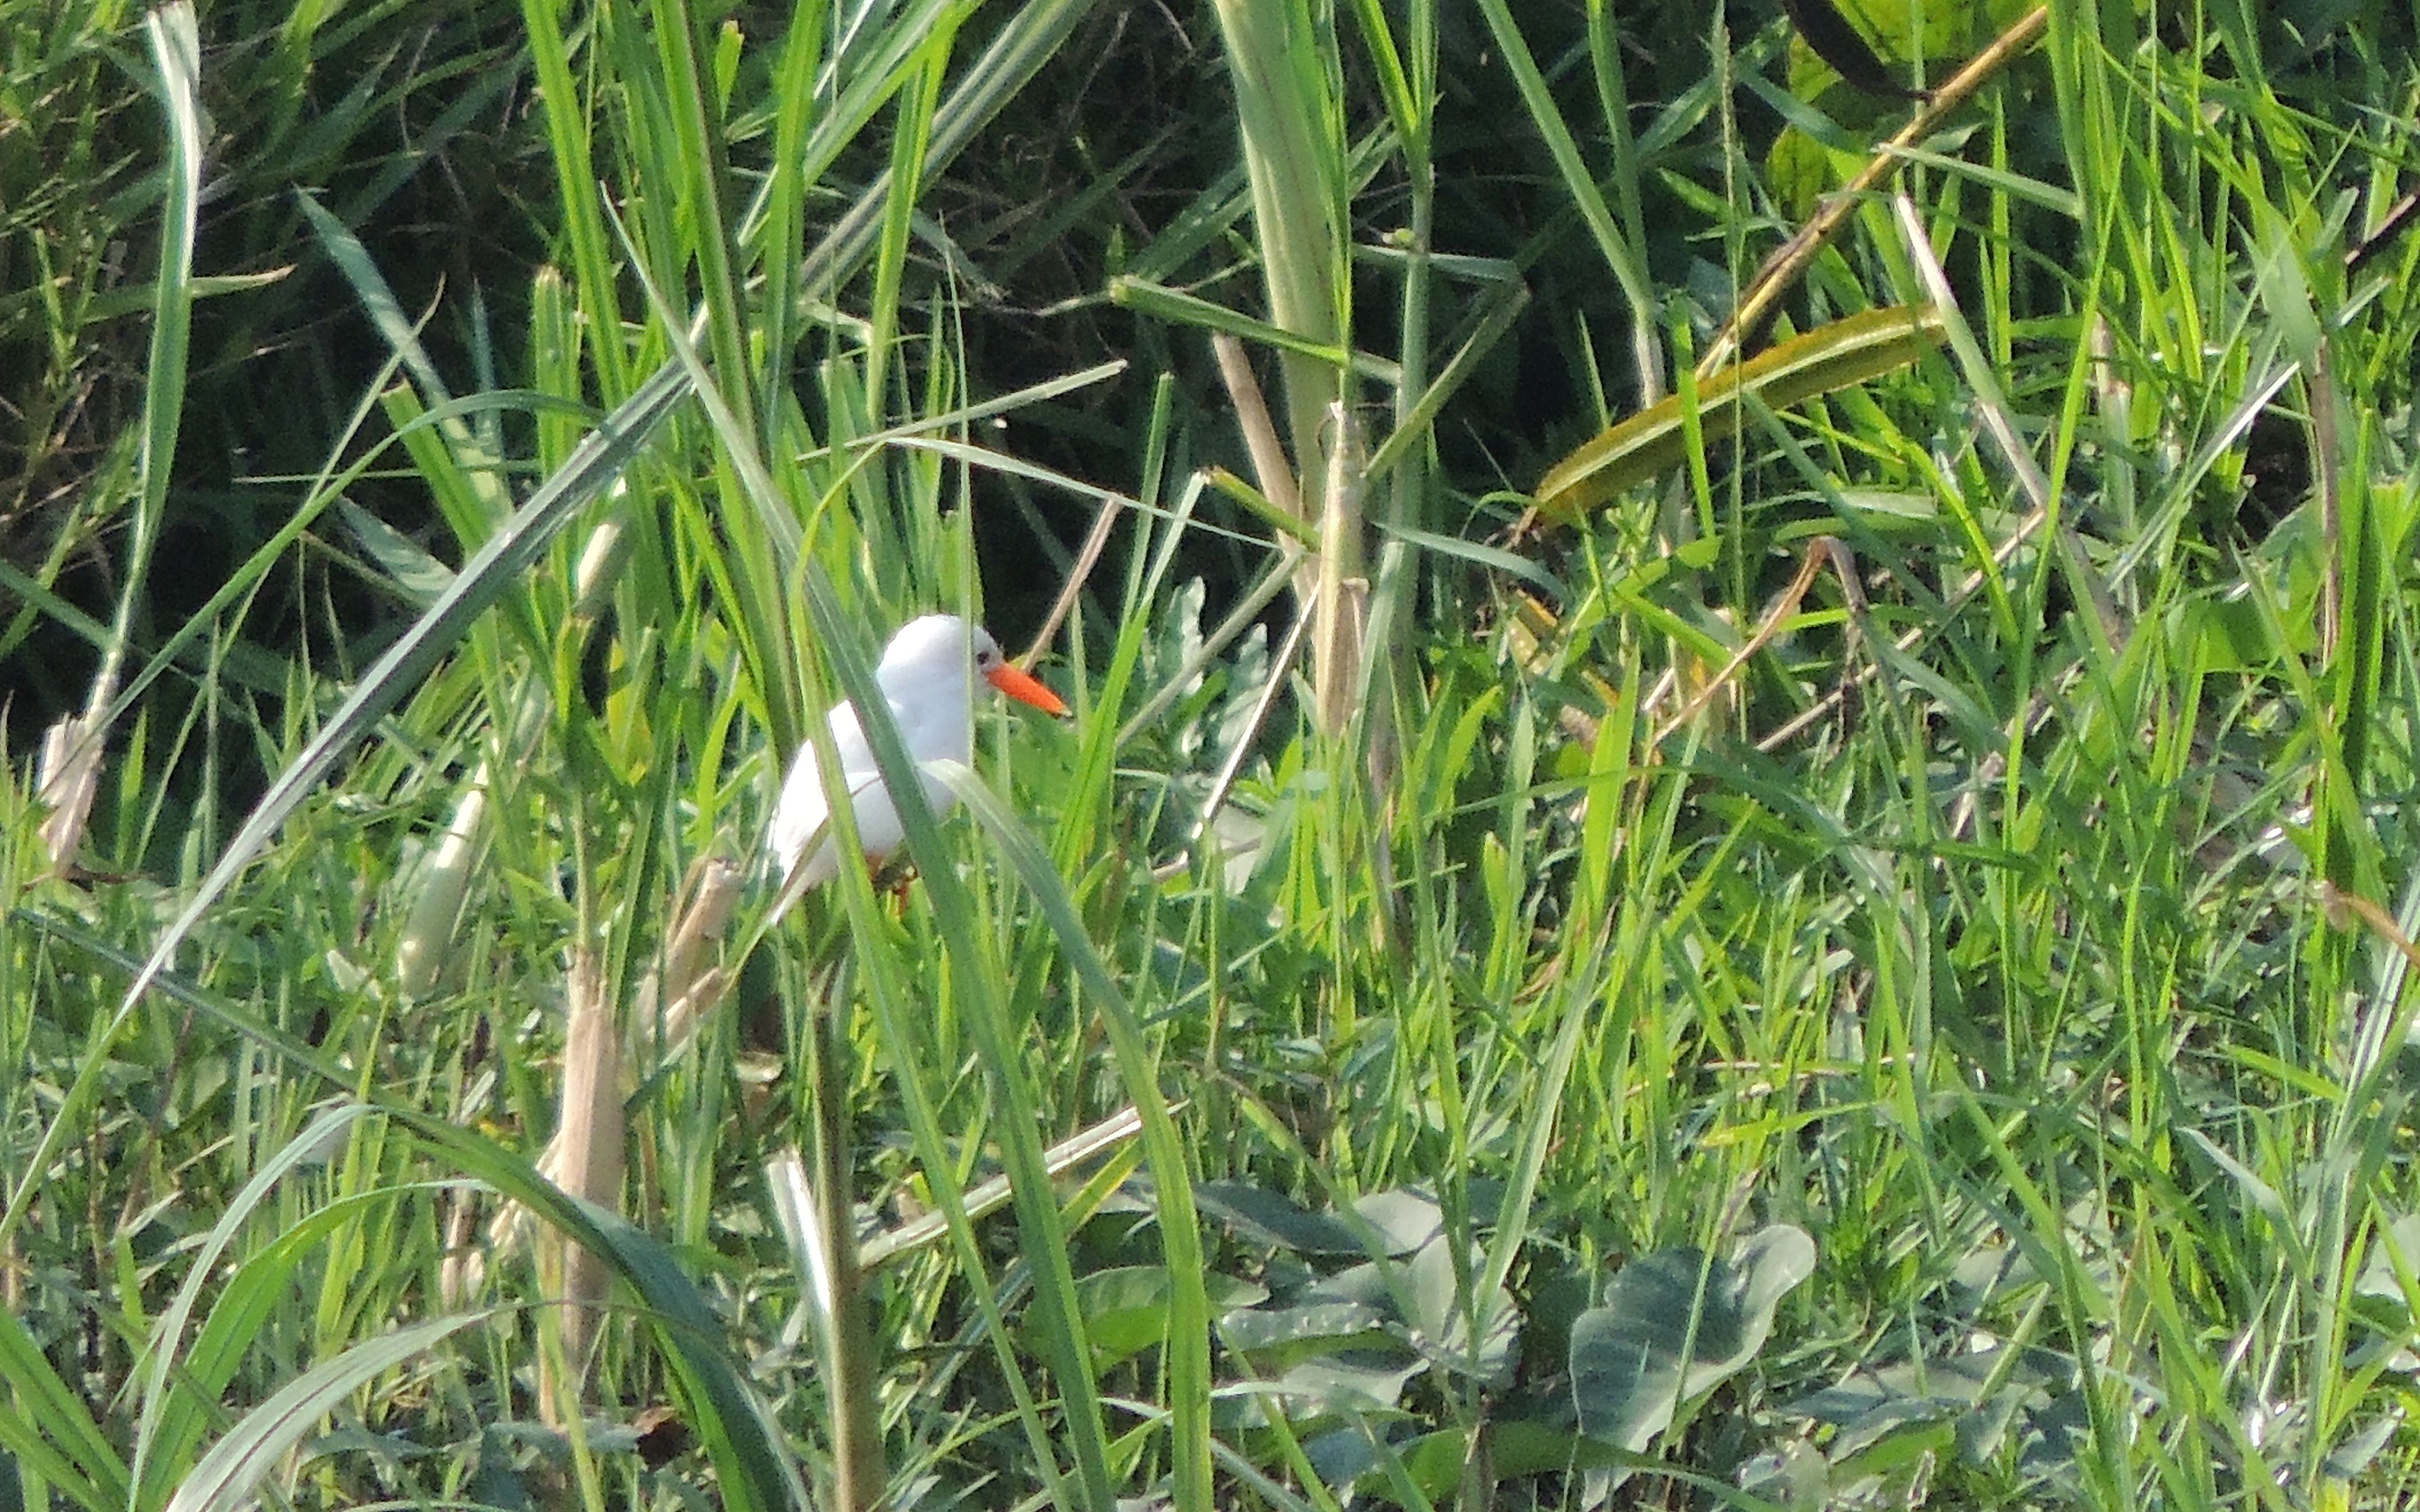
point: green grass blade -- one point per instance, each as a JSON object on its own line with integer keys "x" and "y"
{"x": 482, "y": 580}
{"x": 756, "y": 1473}
{"x": 167, "y": 1423}
{"x": 1180, "y": 1226}
{"x": 232, "y": 1475}
{"x": 176, "y": 45}
{"x": 1621, "y": 253}
{"x": 1849, "y": 350}
{"x": 48, "y": 1429}
{"x": 976, "y": 975}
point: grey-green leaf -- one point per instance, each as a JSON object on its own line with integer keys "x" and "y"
{"x": 1675, "y": 1324}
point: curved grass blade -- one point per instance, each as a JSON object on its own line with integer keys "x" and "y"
{"x": 176, "y": 48}
{"x": 169, "y": 1423}
{"x": 732, "y": 1422}
{"x": 483, "y": 579}
{"x": 1060, "y": 1313}
{"x": 66, "y": 1449}
{"x": 1851, "y": 350}
{"x": 71, "y": 780}
{"x": 229, "y": 1476}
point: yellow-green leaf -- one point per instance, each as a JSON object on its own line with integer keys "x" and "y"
{"x": 1847, "y": 351}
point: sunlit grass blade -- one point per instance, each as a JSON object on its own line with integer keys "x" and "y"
{"x": 697, "y": 138}
{"x": 1294, "y": 161}
{"x": 1164, "y": 303}
{"x": 71, "y": 765}
{"x": 232, "y": 1475}
{"x": 1849, "y": 350}
{"x": 175, "y": 38}
{"x": 982, "y": 1007}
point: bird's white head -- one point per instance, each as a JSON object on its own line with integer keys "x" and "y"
{"x": 931, "y": 648}
{"x": 941, "y": 651}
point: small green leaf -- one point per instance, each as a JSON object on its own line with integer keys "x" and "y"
{"x": 1126, "y": 1310}
{"x": 1324, "y": 1324}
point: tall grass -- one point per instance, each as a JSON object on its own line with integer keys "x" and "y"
{"x": 1856, "y": 955}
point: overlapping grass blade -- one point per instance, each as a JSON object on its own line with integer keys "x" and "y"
{"x": 1180, "y": 1229}
{"x": 231, "y": 1476}
{"x": 496, "y": 567}
{"x": 977, "y": 978}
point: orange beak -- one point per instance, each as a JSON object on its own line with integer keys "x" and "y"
{"x": 1025, "y": 688}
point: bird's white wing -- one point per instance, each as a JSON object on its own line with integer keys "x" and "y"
{"x": 849, "y": 743}
{"x": 931, "y": 705}
{"x": 802, "y": 809}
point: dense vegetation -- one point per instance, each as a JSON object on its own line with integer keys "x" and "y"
{"x": 1725, "y": 841}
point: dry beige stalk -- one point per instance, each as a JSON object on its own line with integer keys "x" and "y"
{"x": 464, "y": 1269}
{"x": 1270, "y": 466}
{"x": 588, "y": 1150}
{"x": 679, "y": 973}
{"x": 1105, "y": 521}
{"x": 72, "y": 777}
{"x": 681, "y": 980}
{"x": 1820, "y": 552}
{"x": 1340, "y": 606}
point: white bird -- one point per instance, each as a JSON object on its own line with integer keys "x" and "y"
{"x": 927, "y": 677}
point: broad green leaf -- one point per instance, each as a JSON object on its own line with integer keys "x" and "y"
{"x": 1402, "y": 1220}
{"x": 1673, "y": 1325}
